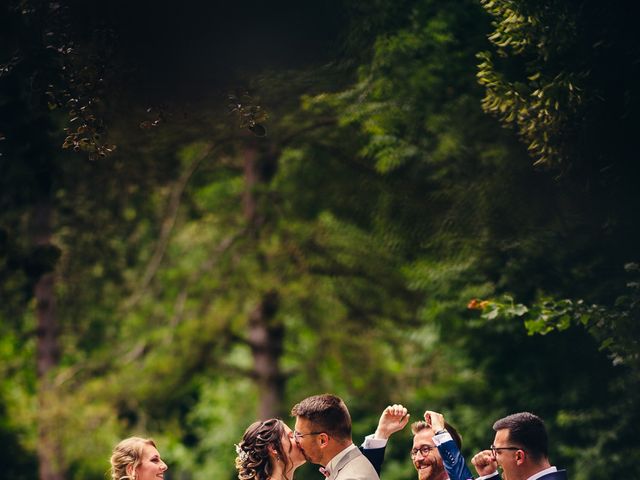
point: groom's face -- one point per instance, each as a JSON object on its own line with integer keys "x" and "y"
{"x": 307, "y": 439}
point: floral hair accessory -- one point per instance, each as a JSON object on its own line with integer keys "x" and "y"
{"x": 241, "y": 453}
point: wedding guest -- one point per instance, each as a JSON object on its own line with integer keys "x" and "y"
{"x": 436, "y": 447}
{"x": 136, "y": 458}
{"x": 520, "y": 448}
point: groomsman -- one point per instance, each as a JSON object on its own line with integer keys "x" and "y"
{"x": 436, "y": 444}
{"x": 520, "y": 447}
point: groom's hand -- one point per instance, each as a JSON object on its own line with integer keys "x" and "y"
{"x": 393, "y": 419}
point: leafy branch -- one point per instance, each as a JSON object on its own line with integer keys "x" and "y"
{"x": 616, "y": 327}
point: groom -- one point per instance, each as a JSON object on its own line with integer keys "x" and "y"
{"x": 323, "y": 433}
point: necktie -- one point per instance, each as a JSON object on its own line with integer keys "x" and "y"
{"x": 324, "y": 471}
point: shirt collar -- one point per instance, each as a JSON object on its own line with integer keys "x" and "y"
{"x": 542, "y": 472}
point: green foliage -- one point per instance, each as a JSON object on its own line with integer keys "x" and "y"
{"x": 554, "y": 67}
{"x": 614, "y": 326}
{"x": 540, "y": 38}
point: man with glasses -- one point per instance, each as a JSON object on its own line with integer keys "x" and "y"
{"x": 323, "y": 434}
{"x": 520, "y": 448}
{"x": 436, "y": 444}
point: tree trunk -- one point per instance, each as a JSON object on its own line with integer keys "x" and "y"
{"x": 265, "y": 332}
{"x": 251, "y": 182}
{"x": 265, "y": 338}
{"x": 47, "y": 351}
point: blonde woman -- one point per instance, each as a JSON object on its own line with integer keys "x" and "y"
{"x": 136, "y": 458}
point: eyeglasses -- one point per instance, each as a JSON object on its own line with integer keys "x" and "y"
{"x": 300, "y": 435}
{"x": 424, "y": 450}
{"x": 495, "y": 449}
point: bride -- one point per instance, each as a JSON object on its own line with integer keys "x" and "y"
{"x": 267, "y": 452}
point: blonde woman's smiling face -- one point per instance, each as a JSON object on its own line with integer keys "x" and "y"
{"x": 151, "y": 466}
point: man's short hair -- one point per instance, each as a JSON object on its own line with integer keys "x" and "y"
{"x": 328, "y": 413}
{"x": 526, "y": 430}
{"x": 422, "y": 425}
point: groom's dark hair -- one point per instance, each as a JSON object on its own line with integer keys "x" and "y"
{"x": 328, "y": 413}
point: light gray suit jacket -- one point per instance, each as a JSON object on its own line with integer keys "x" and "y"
{"x": 353, "y": 466}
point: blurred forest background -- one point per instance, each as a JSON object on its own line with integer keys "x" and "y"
{"x": 209, "y": 212}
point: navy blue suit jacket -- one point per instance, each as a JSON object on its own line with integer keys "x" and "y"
{"x": 559, "y": 475}
{"x": 375, "y": 456}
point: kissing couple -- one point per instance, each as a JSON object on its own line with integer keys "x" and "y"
{"x": 270, "y": 450}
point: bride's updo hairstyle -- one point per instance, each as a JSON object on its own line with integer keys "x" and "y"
{"x": 253, "y": 461}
